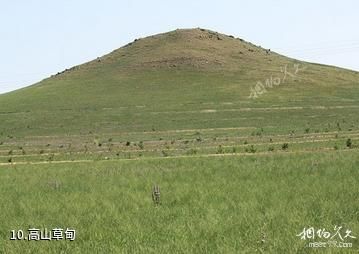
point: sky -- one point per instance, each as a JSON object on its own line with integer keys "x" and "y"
{"x": 39, "y": 38}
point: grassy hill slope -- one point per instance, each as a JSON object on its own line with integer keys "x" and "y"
{"x": 181, "y": 93}
{"x": 183, "y": 70}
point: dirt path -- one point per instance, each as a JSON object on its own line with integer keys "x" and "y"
{"x": 252, "y": 109}
{"x": 180, "y": 157}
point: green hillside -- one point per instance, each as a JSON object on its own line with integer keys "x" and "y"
{"x": 198, "y": 74}
{"x": 185, "y": 92}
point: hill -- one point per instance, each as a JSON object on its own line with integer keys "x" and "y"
{"x": 195, "y": 85}
{"x": 182, "y": 70}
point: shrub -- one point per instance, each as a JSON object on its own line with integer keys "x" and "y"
{"x": 251, "y": 149}
{"x": 220, "y": 150}
{"x": 97, "y": 142}
{"x": 191, "y": 152}
{"x": 349, "y": 143}
{"x": 128, "y": 143}
{"x": 51, "y": 157}
{"x": 141, "y": 146}
{"x": 285, "y": 146}
{"x": 307, "y": 130}
{"x": 271, "y": 149}
{"x": 257, "y": 133}
{"x": 338, "y": 126}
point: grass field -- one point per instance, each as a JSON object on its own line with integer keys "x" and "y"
{"x": 83, "y": 149}
{"x": 209, "y": 205}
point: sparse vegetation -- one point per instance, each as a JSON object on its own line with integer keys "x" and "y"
{"x": 250, "y": 149}
{"x": 285, "y": 146}
{"x": 191, "y": 152}
{"x": 220, "y": 150}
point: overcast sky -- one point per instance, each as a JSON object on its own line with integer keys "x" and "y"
{"x": 38, "y": 38}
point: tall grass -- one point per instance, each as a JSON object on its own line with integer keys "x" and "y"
{"x": 216, "y": 205}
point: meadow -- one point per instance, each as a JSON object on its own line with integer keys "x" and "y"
{"x": 84, "y": 147}
{"x": 227, "y": 204}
